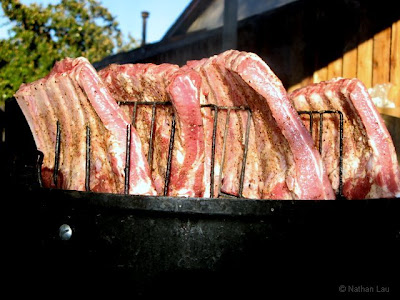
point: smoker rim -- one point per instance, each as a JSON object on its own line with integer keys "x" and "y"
{"x": 232, "y": 207}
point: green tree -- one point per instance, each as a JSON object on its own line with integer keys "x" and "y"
{"x": 40, "y": 36}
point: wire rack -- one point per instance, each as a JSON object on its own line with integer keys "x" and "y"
{"x": 216, "y": 110}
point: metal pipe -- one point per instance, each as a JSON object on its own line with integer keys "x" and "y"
{"x": 145, "y": 15}
{"x": 229, "y": 33}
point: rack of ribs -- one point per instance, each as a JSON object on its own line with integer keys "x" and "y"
{"x": 370, "y": 168}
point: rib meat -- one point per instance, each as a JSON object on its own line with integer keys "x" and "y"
{"x": 218, "y": 89}
{"x": 74, "y": 95}
{"x": 370, "y": 168}
{"x": 167, "y": 84}
{"x": 145, "y": 83}
{"x": 285, "y": 164}
{"x": 187, "y": 167}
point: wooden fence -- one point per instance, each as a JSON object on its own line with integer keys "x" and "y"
{"x": 374, "y": 61}
{"x": 304, "y": 42}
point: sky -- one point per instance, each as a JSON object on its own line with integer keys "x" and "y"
{"x": 163, "y": 13}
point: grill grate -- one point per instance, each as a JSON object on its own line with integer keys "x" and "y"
{"x": 216, "y": 109}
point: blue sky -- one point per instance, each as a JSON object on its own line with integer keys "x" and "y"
{"x": 163, "y": 13}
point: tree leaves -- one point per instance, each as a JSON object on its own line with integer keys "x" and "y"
{"x": 40, "y": 36}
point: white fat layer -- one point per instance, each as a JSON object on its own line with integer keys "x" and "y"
{"x": 142, "y": 188}
{"x": 141, "y": 163}
{"x": 217, "y": 169}
{"x": 372, "y": 143}
{"x": 118, "y": 153}
{"x": 184, "y": 193}
{"x": 353, "y": 163}
{"x": 126, "y": 78}
{"x": 301, "y": 100}
{"x": 179, "y": 156}
{"x": 316, "y": 100}
{"x": 329, "y": 94}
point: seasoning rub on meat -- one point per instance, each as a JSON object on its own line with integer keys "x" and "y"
{"x": 74, "y": 95}
{"x": 370, "y": 167}
{"x": 237, "y": 131}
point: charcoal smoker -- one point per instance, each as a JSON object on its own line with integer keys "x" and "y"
{"x": 65, "y": 242}
{"x": 167, "y": 246}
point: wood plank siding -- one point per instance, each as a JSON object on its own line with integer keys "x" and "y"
{"x": 303, "y": 42}
{"x": 374, "y": 61}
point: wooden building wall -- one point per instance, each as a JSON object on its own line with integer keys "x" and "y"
{"x": 303, "y": 42}
{"x": 341, "y": 38}
{"x": 374, "y": 61}
{"x": 311, "y": 41}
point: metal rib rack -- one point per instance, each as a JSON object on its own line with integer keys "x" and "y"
{"x": 216, "y": 109}
{"x": 321, "y": 114}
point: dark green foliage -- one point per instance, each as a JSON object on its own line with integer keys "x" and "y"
{"x": 42, "y": 35}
